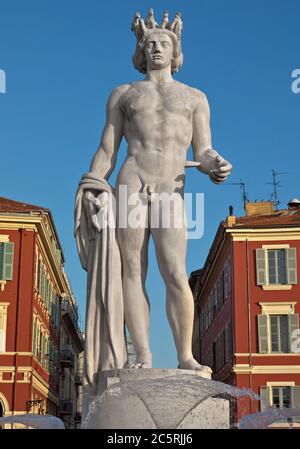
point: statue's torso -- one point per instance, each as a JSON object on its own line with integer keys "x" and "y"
{"x": 158, "y": 128}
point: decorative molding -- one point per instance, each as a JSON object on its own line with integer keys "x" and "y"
{"x": 256, "y": 354}
{"x": 278, "y": 308}
{"x": 277, "y": 287}
{"x": 4, "y": 238}
{"x": 17, "y": 353}
{"x": 266, "y": 369}
{"x": 5, "y": 404}
{"x": 280, "y": 246}
{"x": 281, "y": 384}
{"x": 265, "y": 234}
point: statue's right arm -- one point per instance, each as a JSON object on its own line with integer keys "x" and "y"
{"x": 105, "y": 158}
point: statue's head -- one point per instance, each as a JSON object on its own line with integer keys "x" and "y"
{"x": 157, "y": 46}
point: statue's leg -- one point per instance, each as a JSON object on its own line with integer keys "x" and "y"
{"x": 133, "y": 244}
{"x": 170, "y": 246}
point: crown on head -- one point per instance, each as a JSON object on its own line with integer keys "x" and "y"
{"x": 141, "y": 27}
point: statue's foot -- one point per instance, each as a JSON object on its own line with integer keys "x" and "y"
{"x": 143, "y": 361}
{"x": 141, "y": 365}
{"x": 192, "y": 364}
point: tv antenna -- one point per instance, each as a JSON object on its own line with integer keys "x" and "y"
{"x": 242, "y": 185}
{"x": 275, "y": 183}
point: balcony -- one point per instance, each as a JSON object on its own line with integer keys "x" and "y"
{"x": 66, "y": 408}
{"x": 70, "y": 317}
{"x": 67, "y": 358}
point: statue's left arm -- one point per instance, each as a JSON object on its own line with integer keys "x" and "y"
{"x": 212, "y": 163}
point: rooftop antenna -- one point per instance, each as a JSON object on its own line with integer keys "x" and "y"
{"x": 275, "y": 183}
{"x": 242, "y": 185}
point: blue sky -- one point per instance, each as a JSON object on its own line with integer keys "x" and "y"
{"x": 62, "y": 59}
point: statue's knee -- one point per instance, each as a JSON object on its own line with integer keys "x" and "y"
{"x": 132, "y": 269}
{"x": 177, "y": 279}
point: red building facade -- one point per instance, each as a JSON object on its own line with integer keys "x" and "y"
{"x": 247, "y": 306}
{"x": 33, "y": 285}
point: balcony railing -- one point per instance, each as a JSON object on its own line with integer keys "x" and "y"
{"x": 66, "y": 408}
{"x": 69, "y": 309}
{"x": 67, "y": 358}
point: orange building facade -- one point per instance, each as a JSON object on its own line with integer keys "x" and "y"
{"x": 247, "y": 306}
{"x": 33, "y": 286}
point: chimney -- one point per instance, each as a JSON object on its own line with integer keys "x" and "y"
{"x": 231, "y": 219}
{"x": 260, "y": 208}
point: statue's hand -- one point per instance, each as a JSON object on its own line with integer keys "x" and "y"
{"x": 220, "y": 171}
{"x": 93, "y": 204}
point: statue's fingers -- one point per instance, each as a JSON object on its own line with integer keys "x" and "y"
{"x": 225, "y": 168}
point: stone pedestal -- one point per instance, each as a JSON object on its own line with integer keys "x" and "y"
{"x": 155, "y": 399}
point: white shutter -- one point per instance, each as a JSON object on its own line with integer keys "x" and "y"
{"x": 293, "y": 319}
{"x": 261, "y": 277}
{"x": 291, "y": 265}
{"x": 263, "y": 336}
{"x": 264, "y": 398}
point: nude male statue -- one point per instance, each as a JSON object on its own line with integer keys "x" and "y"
{"x": 159, "y": 118}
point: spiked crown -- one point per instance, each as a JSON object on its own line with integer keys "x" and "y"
{"x": 141, "y": 27}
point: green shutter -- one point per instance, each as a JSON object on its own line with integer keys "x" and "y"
{"x": 34, "y": 349}
{"x": 264, "y": 398}
{"x": 261, "y": 267}
{"x": 40, "y": 276}
{"x": 8, "y": 261}
{"x": 2, "y": 261}
{"x": 291, "y": 264}
{"x": 293, "y": 325}
{"x": 263, "y": 337}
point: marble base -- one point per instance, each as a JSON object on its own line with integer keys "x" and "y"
{"x": 155, "y": 399}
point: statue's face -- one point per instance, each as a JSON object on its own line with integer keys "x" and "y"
{"x": 158, "y": 51}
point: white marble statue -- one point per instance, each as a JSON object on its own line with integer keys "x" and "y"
{"x": 159, "y": 118}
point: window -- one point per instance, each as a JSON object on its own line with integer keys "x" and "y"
{"x": 3, "y": 325}
{"x": 279, "y": 333}
{"x": 276, "y": 266}
{"x": 281, "y": 397}
{"x": 6, "y": 261}
{"x": 275, "y": 332}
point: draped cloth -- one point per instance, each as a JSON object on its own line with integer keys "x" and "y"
{"x": 99, "y": 254}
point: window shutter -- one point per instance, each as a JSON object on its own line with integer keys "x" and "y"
{"x": 293, "y": 324}
{"x": 291, "y": 264}
{"x": 296, "y": 402}
{"x": 263, "y": 333}
{"x": 264, "y": 398}
{"x": 40, "y": 276}
{"x": 261, "y": 267}
{"x": 8, "y": 261}
{"x": 34, "y": 337}
{"x": 296, "y": 397}
{"x": 2, "y": 261}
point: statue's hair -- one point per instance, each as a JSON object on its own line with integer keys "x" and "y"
{"x": 139, "y": 59}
